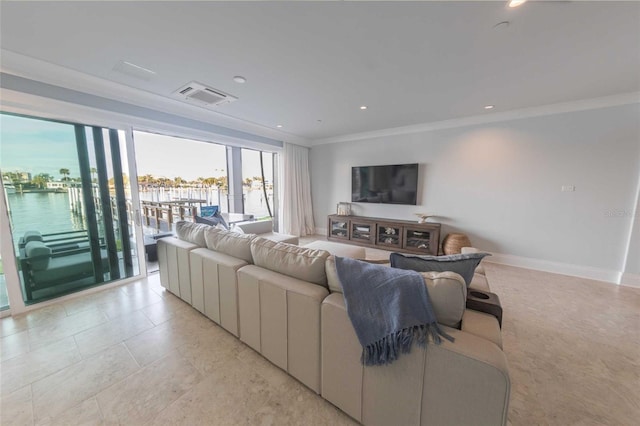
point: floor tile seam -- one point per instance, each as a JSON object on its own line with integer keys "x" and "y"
{"x": 203, "y": 373}
{"x": 50, "y": 373}
{"x": 83, "y": 360}
{"x": 123, "y": 318}
{"x": 33, "y": 409}
{"x": 66, "y": 337}
{"x": 119, "y": 342}
{"x": 140, "y": 371}
{"x": 105, "y": 318}
{"x": 97, "y": 394}
{"x": 124, "y": 343}
{"x": 153, "y": 322}
{"x": 14, "y": 356}
{"x": 100, "y": 410}
{"x": 11, "y": 334}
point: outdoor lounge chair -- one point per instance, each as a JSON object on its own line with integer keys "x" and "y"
{"x": 43, "y": 267}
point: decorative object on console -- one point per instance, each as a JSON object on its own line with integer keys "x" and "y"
{"x": 453, "y": 243}
{"x": 463, "y": 264}
{"x": 422, "y": 217}
{"x": 344, "y": 209}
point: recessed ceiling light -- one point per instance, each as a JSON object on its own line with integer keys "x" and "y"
{"x": 489, "y": 106}
{"x": 279, "y": 126}
{"x": 363, "y": 107}
{"x": 239, "y": 79}
{"x": 516, "y": 3}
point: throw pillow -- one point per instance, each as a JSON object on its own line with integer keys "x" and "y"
{"x": 463, "y": 264}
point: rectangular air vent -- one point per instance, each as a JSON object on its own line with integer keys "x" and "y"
{"x": 199, "y": 94}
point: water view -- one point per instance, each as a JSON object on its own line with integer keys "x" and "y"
{"x": 51, "y": 213}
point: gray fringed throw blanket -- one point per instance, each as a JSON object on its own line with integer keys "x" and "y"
{"x": 388, "y": 308}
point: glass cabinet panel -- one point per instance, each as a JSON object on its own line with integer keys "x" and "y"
{"x": 339, "y": 228}
{"x": 389, "y": 235}
{"x": 363, "y": 232}
{"x": 419, "y": 240}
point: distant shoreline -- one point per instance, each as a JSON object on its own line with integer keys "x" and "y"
{"x": 53, "y": 191}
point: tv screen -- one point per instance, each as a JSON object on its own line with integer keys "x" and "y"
{"x": 395, "y": 184}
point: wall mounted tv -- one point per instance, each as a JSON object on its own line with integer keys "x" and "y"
{"x": 393, "y": 184}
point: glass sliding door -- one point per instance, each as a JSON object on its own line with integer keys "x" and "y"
{"x": 70, "y": 211}
{"x": 258, "y": 183}
{"x": 178, "y": 179}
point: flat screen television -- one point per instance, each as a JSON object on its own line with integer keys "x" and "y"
{"x": 393, "y": 184}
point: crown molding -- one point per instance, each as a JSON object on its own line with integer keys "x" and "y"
{"x": 46, "y": 72}
{"x": 551, "y": 109}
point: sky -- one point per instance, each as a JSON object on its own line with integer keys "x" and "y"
{"x": 40, "y": 146}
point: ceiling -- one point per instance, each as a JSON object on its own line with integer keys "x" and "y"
{"x": 311, "y": 65}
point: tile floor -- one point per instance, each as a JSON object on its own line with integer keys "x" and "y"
{"x": 138, "y": 355}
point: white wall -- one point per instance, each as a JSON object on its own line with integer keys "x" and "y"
{"x": 500, "y": 183}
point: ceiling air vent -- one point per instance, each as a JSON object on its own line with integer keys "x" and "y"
{"x": 199, "y": 94}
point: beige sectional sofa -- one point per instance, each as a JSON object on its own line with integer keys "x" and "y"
{"x": 285, "y": 302}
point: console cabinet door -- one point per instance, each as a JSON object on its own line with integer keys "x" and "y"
{"x": 389, "y": 235}
{"x": 420, "y": 240}
{"x": 339, "y": 228}
{"x": 363, "y": 232}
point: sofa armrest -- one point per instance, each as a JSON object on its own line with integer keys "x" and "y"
{"x": 464, "y": 382}
{"x": 482, "y": 325}
{"x": 173, "y": 260}
{"x": 256, "y": 227}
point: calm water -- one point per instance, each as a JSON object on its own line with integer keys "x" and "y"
{"x": 49, "y": 212}
{"x": 44, "y": 212}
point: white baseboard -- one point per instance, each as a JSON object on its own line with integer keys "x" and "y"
{"x": 630, "y": 280}
{"x": 588, "y": 272}
{"x": 598, "y": 274}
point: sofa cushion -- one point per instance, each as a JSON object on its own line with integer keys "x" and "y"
{"x": 447, "y": 292}
{"x": 41, "y": 252}
{"x": 231, "y": 243}
{"x": 298, "y": 262}
{"x": 463, "y": 264}
{"x": 32, "y": 236}
{"x": 192, "y": 232}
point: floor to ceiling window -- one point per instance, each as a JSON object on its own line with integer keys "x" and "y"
{"x": 69, "y": 204}
{"x": 258, "y": 183}
{"x": 178, "y": 178}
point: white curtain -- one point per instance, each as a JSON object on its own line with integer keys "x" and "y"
{"x": 297, "y": 210}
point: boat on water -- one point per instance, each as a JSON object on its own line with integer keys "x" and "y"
{"x": 8, "y": 185}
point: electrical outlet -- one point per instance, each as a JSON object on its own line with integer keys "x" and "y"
{"x": 568, "y": 188}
